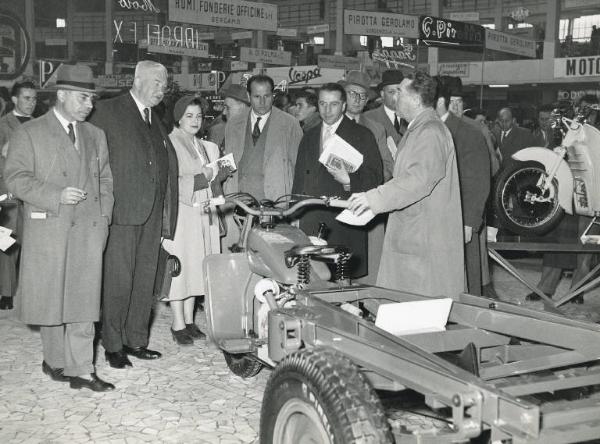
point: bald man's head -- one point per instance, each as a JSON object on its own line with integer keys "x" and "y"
{"x": 506, "y": 119}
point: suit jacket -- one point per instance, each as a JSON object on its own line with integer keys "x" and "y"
{"x": 8, "y": 125}
{"x": 312, "y": 178}
{"x": 61, "y": 262}
{"x": 281, "y": 148}
{"x": 517, "y": 139}
{"x": 423, "y": 246}
{"x": 380, "y": 137}
{"x": 379, "y": 115}
{"x": 473, "y": 163}
{"x": 128, "y": 143}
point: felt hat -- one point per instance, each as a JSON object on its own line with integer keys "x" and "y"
{"x": 76, "y": 77}
{"x": 237, "y": 92}
{"x": 391, "y": 77}
{"x": 181, "y": 105}
{"x": 356, "y": 78}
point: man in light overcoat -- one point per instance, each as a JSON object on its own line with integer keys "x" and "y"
{"x": 58, "y": 166}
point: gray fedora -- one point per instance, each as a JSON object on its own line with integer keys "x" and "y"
{"x": 77, "y": 77}
{"x": 237, "y": 92}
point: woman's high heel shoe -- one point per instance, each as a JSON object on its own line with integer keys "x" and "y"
{"x": 182, "y": 337}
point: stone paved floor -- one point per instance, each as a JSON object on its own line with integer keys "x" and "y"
{"x": 188, "y": 396}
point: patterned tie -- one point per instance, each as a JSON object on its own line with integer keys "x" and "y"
{"x": 396, "y": 123}
{"x": 502, "y": 136}
{"x": 147, "y": 116}
{"x": 256, "y": 130}
{"x": 71, "y": 133}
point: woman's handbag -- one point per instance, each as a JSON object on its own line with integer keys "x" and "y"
{"x": 169, "y": 267}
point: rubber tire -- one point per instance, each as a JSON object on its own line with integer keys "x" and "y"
{"x": 332, "y": 386}
{"x": 504, "y": 220}
{"x": 242, "y": 364}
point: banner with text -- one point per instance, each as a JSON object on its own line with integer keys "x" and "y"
{"x": 380, "y": 23}
{"x": 441, "y": 31}
{"x": 297, "y": 76}
{"x": 453, "y": 69}
{"x": 512, "y": 44}
{"x": 339, "y": 62}
{"x": 229, "y": 13}
{"x": 572, "y": 67}
{"x": 173, "y": 47}
{"x": 269, "y": 56}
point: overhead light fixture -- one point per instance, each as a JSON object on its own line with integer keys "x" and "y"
{"x": 61, "y": 23}
{"x": 499, "y": 86}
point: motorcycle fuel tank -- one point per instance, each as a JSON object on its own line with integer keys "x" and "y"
{"x": 266, "y": 248}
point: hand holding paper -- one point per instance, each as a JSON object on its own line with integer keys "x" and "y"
{"x": 338, "y": 154}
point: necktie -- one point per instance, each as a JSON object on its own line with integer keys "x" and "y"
{"x": 327, "y": 133}
{"x": 147, "y": 116}
{"x": 71, "y": 133}
{"x": 502, "y": 136}
{"x": 396, "y": 123}
{"x": 256, "y": 130}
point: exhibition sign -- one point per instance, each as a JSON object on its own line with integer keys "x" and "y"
{"x": 339, "y": 62}
{"x": 401, "y": 55}
{"x": 269, "y": 56}
{"x": 453, "y": 69}
{"x": 228, "y": 13}
{"x": 380, "y": 23}
{"x": 512, "y": 44}
{"x": 572, "y": 67}
{"x": 304, "y": 75}
{"x": 175, "y": 47}
{"x": 441, "y": 31}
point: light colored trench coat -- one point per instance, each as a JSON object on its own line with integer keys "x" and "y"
{"x": 423, "y": 247}
{"x": 61, "y": 260}
{"x": 197, "y": 232}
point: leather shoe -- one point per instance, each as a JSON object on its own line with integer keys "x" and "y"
{"x": 194, "y": 331}
{"x": 182, "y": 337}
{"x": 6, "y": 303}
{"x": 56, "y": 374}
{"x": 141, "y": 352}
{"x": 95, "y": 383}
{"x": 118, "y": 359}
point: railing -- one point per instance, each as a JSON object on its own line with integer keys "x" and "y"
{"x": 570, "y": 47}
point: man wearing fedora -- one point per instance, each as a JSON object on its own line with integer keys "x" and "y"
{"x": 144, "y": 165}
{"x": 235, "y": 102}
{"x": 386, "y": 114}
{"x": 58, "y": 166}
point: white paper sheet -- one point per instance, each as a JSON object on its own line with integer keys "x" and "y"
{"x": 406, "y": 318}
{"x": 392, "y": 146}
{"x": 337, "y": 153}
{"x": 227, "y": 160}
{"x": 348, "y": 217}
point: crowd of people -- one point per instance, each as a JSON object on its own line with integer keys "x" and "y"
{"x": 98, "y": 189}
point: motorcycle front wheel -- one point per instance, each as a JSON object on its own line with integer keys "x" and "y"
{"x": 521, "y": 206}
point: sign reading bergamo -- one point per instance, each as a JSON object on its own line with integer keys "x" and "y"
{"x": 380, "y": 23}
{"x": 229, "y": 13}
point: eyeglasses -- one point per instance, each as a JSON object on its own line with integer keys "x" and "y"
{"x": 354, "y": 95}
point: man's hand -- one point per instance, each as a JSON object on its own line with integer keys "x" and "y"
{"x": 468, "y": 233}
{"x": 358, "y": 203}
{"x": 72, "y": 196}
{"x": 340, "y": 175}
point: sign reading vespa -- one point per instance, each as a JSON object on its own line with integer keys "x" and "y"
{"x": 268, "y": 56}
{"x": 228, "y": 13}
{"x": 380, "y": 23}
{"x": 440, "y": 31}
{"x": 14, "y": 46}
{"x": 512, "y": 44}
{"x": 577, "y": 67}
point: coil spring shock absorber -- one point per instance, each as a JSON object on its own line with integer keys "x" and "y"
{"x": 341, "y": 267}
{"x": 304, "y": 270}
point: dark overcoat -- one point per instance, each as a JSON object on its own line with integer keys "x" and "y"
{"x": 61, "y": 256}
{"x": 312, "y": 178}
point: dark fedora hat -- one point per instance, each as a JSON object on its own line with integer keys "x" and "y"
{"x": 77, "y": 77}
{"x": 391, "y": 77}
{"x": 237, "y": 92}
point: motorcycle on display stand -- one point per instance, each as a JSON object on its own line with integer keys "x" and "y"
{"x": 531, "y": 196}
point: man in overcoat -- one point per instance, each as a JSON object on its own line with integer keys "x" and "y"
{"x": 314, "y": 179}
{"x": 423, "y": 247}
{"x": 144, "y": 166}
{"x": 58, "y": 166}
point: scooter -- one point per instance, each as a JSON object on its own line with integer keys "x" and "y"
{"x": 531, "y": 196}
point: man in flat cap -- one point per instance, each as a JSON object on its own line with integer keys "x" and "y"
{"x": 235, "y": 102}
{"x": 58, "y": 166}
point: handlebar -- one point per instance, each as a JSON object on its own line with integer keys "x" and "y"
{"x": 281, "y": 212}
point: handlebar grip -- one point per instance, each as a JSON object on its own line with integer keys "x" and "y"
{"x": 339, "y": 203}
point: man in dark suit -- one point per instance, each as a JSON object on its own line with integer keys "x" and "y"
{"x": 313, "y": 178}
{"x": 24, "y": 98}
{"x": 474, "y": 174}
{"x": 144, "y": 166}
{"x": 511, "y": 138}
{"x": 386, "y": 115}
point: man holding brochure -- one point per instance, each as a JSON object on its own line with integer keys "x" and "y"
{"x": 336, "y": 158}
{"x": 423, "y": 247}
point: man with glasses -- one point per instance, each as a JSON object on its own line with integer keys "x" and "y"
{"x": 24, "y": 98}
{"x": 315, "y": 179}
{"x": 58, "y": 166}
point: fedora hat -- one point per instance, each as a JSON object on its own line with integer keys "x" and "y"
{"x": 237, "y": 92}
{"x": 391, "y": 77}
{"x": 76, "y": 77}
{"x": 356, "y": 78}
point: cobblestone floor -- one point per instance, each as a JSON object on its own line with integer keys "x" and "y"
{"x": 188, "y": 396}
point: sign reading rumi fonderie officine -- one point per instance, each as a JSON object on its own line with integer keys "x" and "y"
{"x": 512, "y": 44}
{"x": 380, "y": 23}
{"x": 227, "y": 13}
{"x": 268, "y": 56}
{"x": 573, "y": 67}
{"x": 441, "y": 32}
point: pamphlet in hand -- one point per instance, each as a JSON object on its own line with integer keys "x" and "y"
{"x": 226, "y": 161}
{"x": 338, "y": 153}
